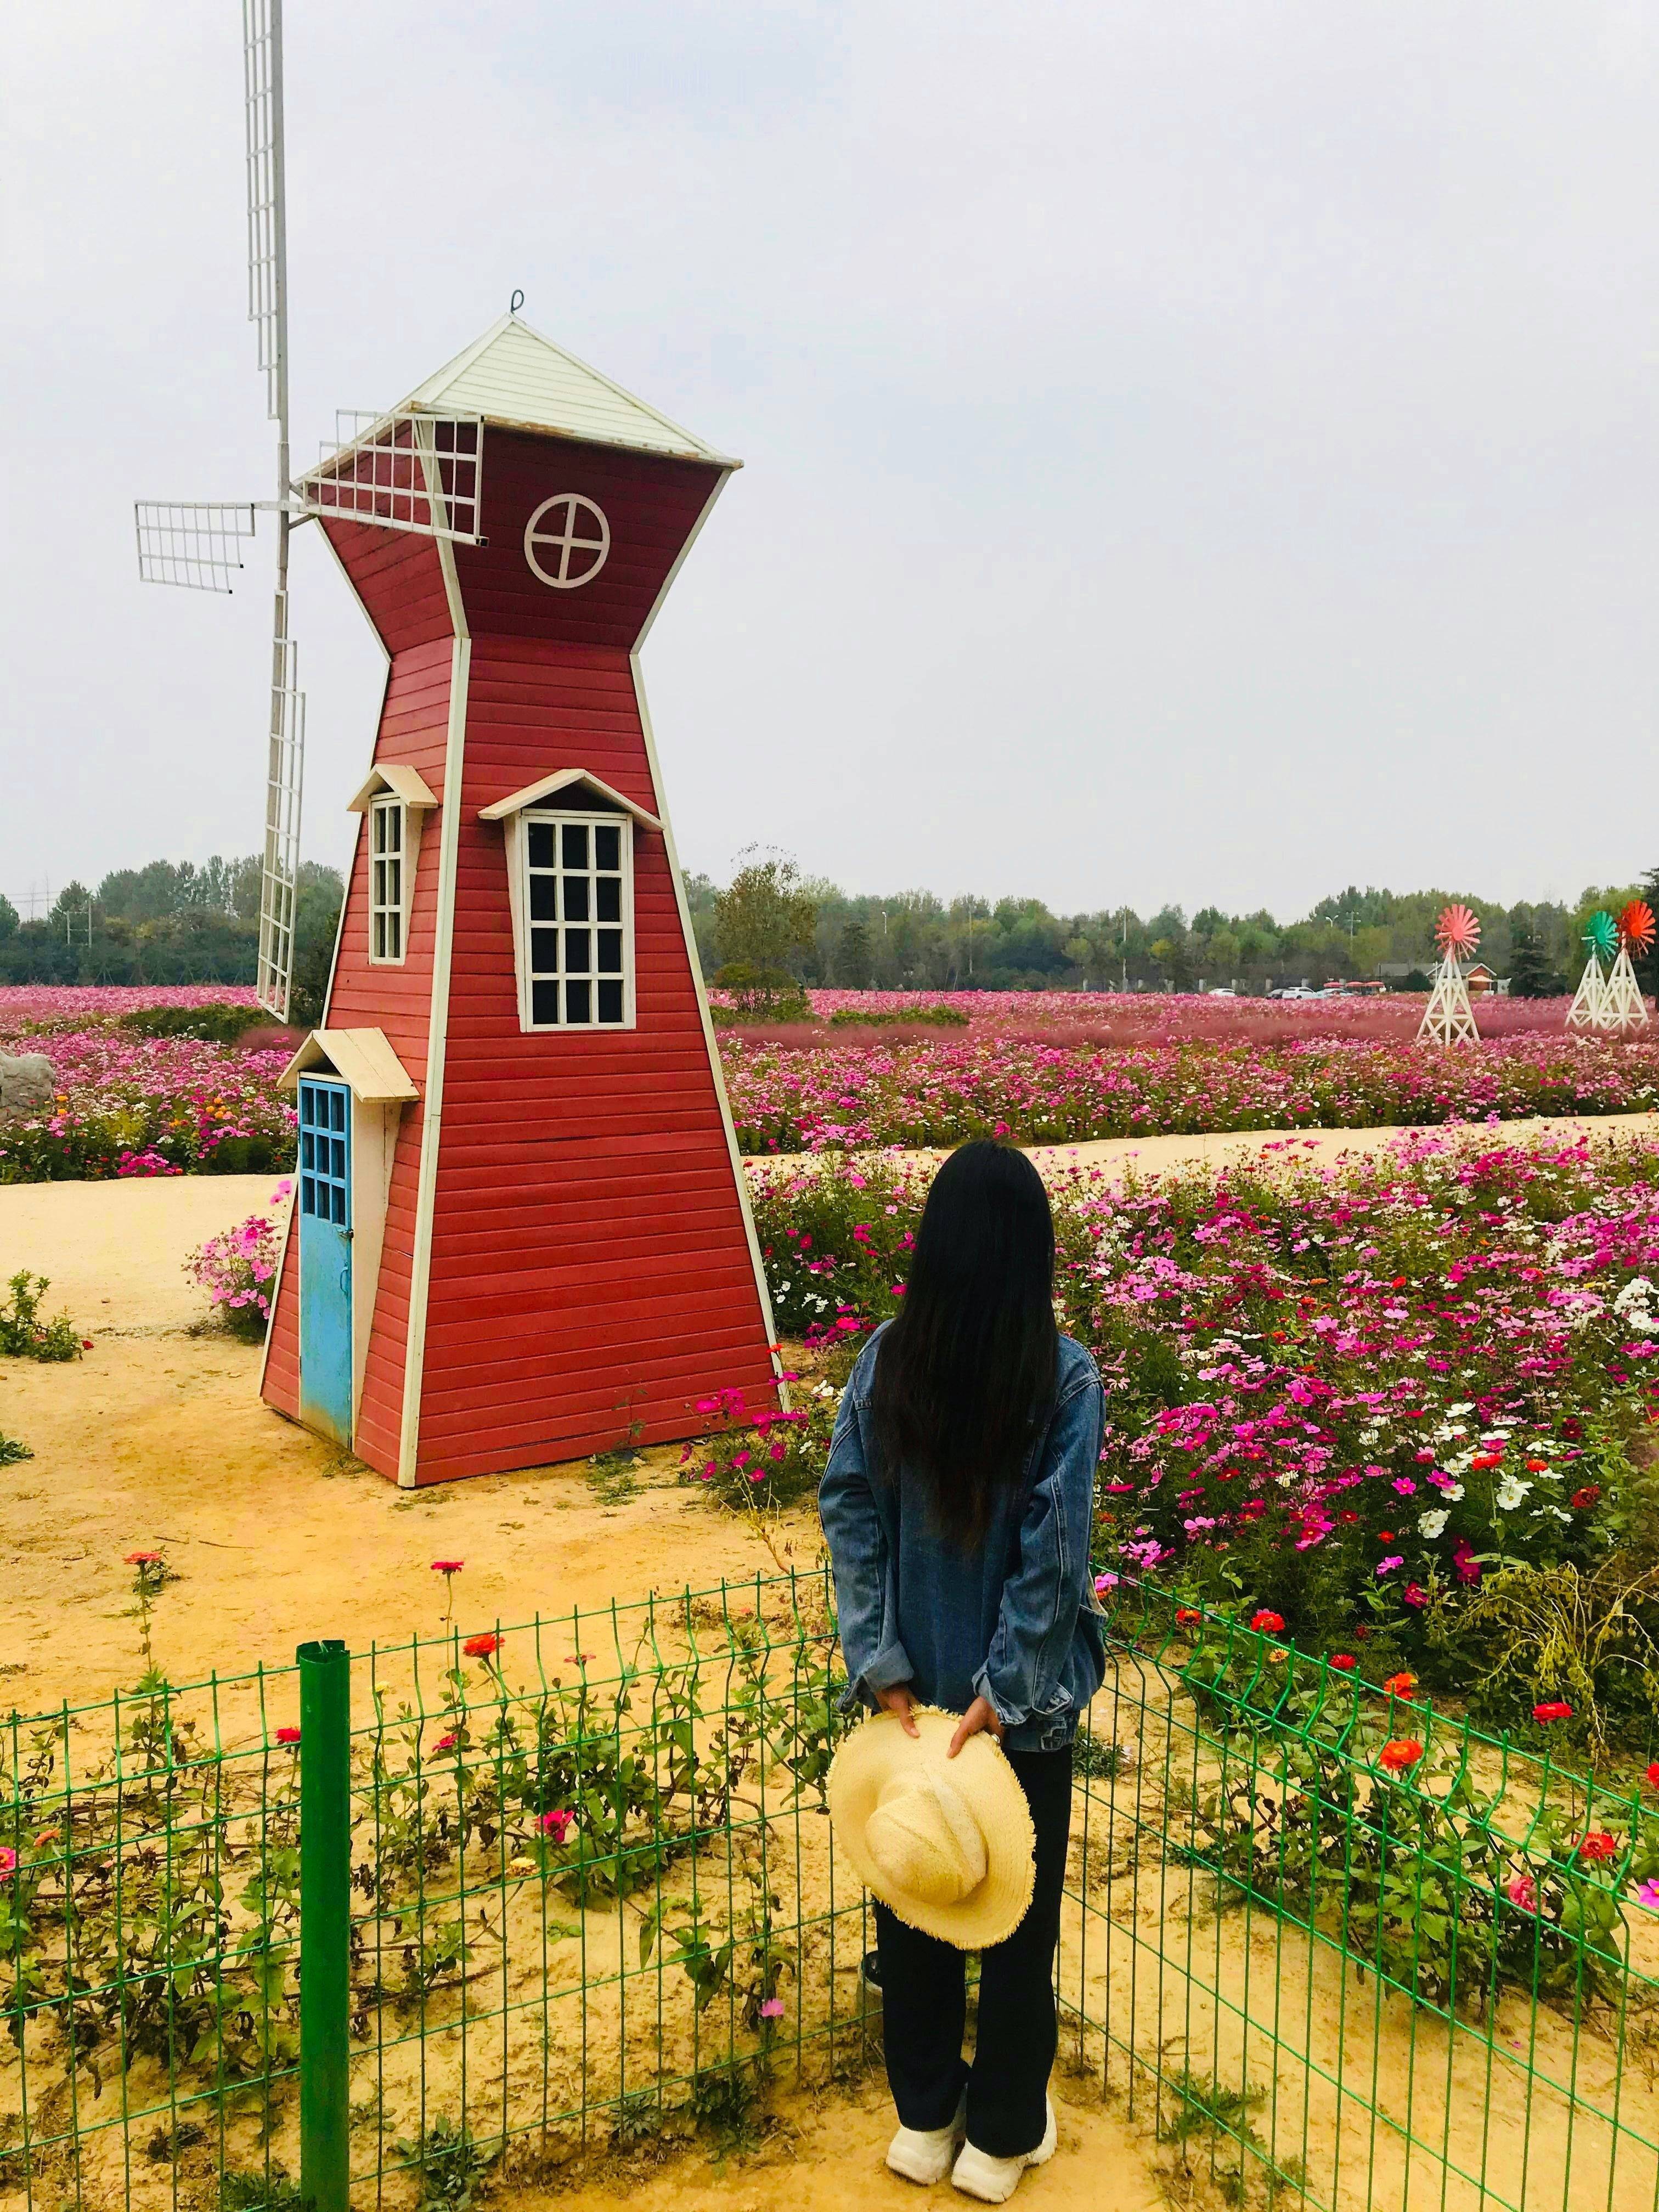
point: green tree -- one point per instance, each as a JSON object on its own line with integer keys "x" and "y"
{"x": 1531, "y": 975}
{"x": 854, "y": 962}
{"x": 763, "y": 916}
{"x": 8, "y": 918}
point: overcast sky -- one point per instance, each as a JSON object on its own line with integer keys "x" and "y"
{"x": 1194, "y": 451}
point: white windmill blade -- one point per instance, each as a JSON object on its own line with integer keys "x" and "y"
{"x": 285, "y": 780}
{"x": 409, "y": 469}
{"x": 196, "y": 543}
{"x": 267, "y": 242}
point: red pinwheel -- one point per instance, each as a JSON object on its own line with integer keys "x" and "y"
{"x": 1635, "y": 926}
{"x": 1458, "y": 930}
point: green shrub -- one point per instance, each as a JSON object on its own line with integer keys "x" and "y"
{"x": 23, "y": 1335}
{"x": 219, "y": 1024}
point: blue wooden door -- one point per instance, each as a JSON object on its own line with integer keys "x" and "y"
{"x": 325, "y": 1257}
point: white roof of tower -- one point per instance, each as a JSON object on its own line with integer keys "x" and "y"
{"x": 513, "y": 376}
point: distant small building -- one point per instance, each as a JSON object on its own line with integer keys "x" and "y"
{"x": 1482, "y": 983}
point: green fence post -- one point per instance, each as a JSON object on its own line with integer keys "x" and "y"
{"x": 324, "y": 1921}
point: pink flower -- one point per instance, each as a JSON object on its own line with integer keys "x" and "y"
{"x": 772, "y": 2008}
{"x": 1648, "y": 1894}
{"x": 557, "y": 1825}
{"x": 448, "y": 1566}
{"x": 1386, "y": 1566}
{"x": 1522, "y": 1890}
{"x": 445, "y": 1742}
{"x": 8, "y": 1862}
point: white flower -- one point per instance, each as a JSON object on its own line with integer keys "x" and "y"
{"x": 1431, "y": 1524}
{"x": 1452, "y": 1489}
{"x": 1632, "y": 1305}
{"x": 1511, "y": 1492}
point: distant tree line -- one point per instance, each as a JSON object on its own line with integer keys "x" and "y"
{"x": 180, "y": 923}
{"x": 172, "y": 923}
{"x": 914, "y": 940}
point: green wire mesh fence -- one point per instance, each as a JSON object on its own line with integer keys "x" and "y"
{"x": 571, "y": 1885}
{"x": 1341, "y": 1951}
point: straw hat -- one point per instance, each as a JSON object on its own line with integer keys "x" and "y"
{"x": 946, "y": 1845}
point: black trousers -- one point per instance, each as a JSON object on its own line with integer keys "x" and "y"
{"x": 924, "y": 2007}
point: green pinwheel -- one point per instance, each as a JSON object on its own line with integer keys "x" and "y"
{"x": 1601, "y": 935}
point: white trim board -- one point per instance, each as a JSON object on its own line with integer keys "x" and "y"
{"x": 432, "y": 1108}
{"x": 710, "y": 1042}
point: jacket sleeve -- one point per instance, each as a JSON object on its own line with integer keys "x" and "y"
{"x": 865, "y": 1600}
{"x": 1023, "y": 1672}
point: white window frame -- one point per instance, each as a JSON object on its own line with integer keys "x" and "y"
{"x": 519, "y": 826}
{"x": 383, "y": 806}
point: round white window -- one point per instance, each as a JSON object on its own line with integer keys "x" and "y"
{"x": 567, "y": 540}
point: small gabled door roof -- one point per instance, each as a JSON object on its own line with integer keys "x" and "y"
{"x": 515, "y": 376}
{"x": 573, "y": 780}
{"x": 362, "y": 1059}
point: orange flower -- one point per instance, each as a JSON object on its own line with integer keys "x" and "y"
{"x": 1400, "y": 1685}
{"x": 1186, "y": 1615}
{"x": 1401, "y": 1755}
{"x": 481, "y": 1647}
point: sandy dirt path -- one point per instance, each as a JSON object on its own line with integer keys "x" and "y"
{"x": 826, "y": 2157}
{"x": 1154, "y": 1155}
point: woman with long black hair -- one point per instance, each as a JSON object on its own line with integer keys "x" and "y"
{"x": 957, "y": 1502}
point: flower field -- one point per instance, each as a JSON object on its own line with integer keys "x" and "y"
{"x": 1398, "y": 1411}
{"x": 939, "y": 1092}
{"x": 133, "y": 1104}
{"x": 1042, "y": 1068}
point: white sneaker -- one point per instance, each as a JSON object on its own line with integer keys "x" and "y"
{"x": 993, "y": 2180}
{"x": 924, "y": 2154}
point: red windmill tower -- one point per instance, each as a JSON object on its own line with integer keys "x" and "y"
{"x": 521, "y": 1228}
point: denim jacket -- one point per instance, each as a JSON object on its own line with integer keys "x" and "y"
{"x": 1017, "y": 1620}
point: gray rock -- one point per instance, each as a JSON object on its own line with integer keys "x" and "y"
{"x": 27, "y": 1080}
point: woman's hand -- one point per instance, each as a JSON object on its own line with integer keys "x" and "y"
{"x": 899, "y": 1700}
{"x": 981, "y": 1714}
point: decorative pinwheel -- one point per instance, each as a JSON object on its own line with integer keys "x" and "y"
{"x": 1636, "y": 928}
{"x": 1601, "y": 935}
{"x": 1457, "y": 933}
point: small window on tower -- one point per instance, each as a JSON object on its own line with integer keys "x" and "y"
{"x": 578, "y": 905}
{"x": 388, "y": 879}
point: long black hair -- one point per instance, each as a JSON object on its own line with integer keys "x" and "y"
{"x": 965, "y": 1376}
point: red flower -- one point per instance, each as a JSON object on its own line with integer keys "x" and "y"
{"x": 1484, "y": 1460}
{"x": 1269, "y": 1622}
{"x": 1186, "y": 1615}
{"x": 1344, "y": 1662}
{"x": 481, "y": 1647}
{"x": 1385, "y": 1535}
{"x": 445, "y": 1742}
{"x": 1414, "y": 1594}
{"x": 1599, "y": 1845}
{"x": 143, "y": 1558}
{"x": 1583, "y": 1499}
{"x": 1402, "y": 1755}
{"x": 1554, "y": 1709}
{"x": 288, "y": 1736}
{"x": 1400, "y": 1685}
{"x": 448, "y": 1566}
{"x": 86, "y": 1344}
{"x": 1653, "y": 1775}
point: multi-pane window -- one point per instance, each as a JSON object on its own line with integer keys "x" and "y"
{"x": 388, "y": 877}
{"x": 325, "y": 1145}
{"x": 579, "y": 920}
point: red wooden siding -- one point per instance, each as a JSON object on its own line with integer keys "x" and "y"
{"x": 414, "y": 729}
{"x": 590, "y": 1263}
{"x": 280, "y": 1387}
{"x": 397, "y": 578}
{"x": 651, "y": 507}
